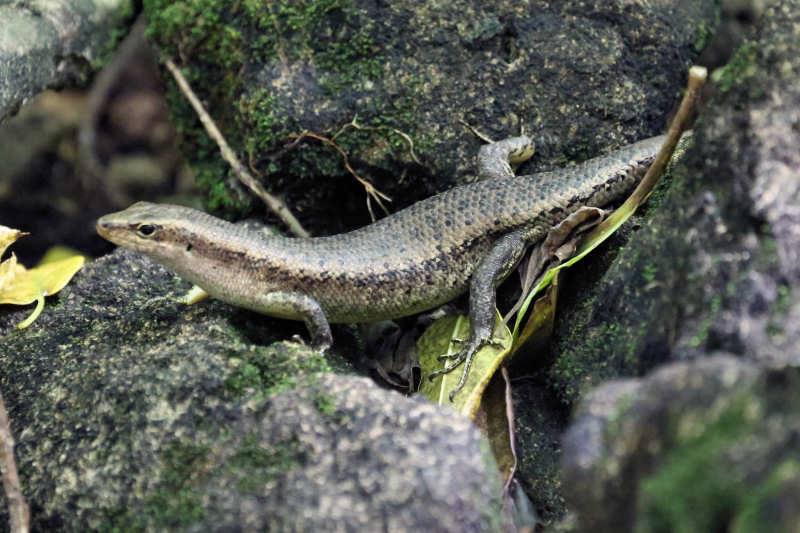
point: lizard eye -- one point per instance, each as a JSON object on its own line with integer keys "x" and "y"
{"x": 145, "y": 230}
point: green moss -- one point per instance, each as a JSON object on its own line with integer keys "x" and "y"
{"x": 325, "y": 404}
{"x": 258, "y": 465}
{"x": 701, "y": 335}
{"x": 756, "y": 514}
{"x": 740, "y": 70}
{"x": 704, "y": 34}
{"x": 649, "y": 273}
{"x": 119, "y": 30}
{"x": 269, "y": 369}
{"x": 574, "y": 370}
{"x": 216, "y": 42}
{"x": 696, "y": 489}
{"x": 349, "y": 63}
{"x": 174, "y": 504}
{"x": 782, "y": 304}
{"x": 187, "y": 467}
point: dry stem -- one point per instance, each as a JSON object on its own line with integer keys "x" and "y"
{"x": 697, "y": 78}
{"x": 17, "y": 508}
{"x": 275, "y": 204}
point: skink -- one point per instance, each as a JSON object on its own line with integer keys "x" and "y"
{"x": 467, "y": 238}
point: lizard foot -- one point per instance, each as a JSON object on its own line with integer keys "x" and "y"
{"x": 465, "y": 355}
{"x": 457, "y": 355}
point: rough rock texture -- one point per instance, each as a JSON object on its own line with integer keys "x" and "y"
{"x": 713, "y": 266}
{"x": 46, "y": 44}
{"x": 580, "y": 77}
{"x": 707, "y": 445}
{"x": 704, "y": 444}
{"x": 132, "y": 411}
{"x": 540, "y": 420}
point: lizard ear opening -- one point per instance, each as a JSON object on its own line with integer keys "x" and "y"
{"x": 145, "y": 230}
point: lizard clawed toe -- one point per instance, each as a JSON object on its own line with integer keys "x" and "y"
{"x": 460, "y": 354}
{"x": 465, "y": 355}
{"x": 459, "y": 358}
{"x": 447, "y": 356}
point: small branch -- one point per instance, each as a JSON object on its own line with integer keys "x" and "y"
{"x": 372, "y": 192}
{"x": 275, "y": 204}
{"x": 697, "y": 78}
{"x": 17, "y": 508}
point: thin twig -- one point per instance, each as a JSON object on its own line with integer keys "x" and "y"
{"x": 355, "y": 125}
{"x": 485, "y": 138}
{"x": 511, "y": 427}
{"x": 275, "y": 204}
{"x": 410, "y": 142}
{"x": 17, "y": 508}
{"x": 372, "y": 192}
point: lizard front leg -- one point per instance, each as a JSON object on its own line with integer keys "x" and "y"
{"x": 298, "y": 306}
{"x": 498, "y": 263}
{"x": 495, "y": 160}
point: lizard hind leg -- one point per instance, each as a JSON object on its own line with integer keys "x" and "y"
{"x": 498, "y": 263}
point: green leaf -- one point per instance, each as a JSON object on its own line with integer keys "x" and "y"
{"x": 539, "y": 326}
{"x": 439, "y": 339}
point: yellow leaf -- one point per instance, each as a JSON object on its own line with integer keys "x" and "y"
{"x": 57, "y": 253}
{"x": 492, "y": 420}
{"x": 8, "y": 271}
{"x": 19, "y": 286}
{"x": 45, "y": 280}
{"x": 9, "y": 268}
{"x": 8, "y": 236}
{"x": 539, "y": 326}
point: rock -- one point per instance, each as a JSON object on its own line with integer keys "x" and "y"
{"x": 709, "y": 268}
{"x": 706, "y": 445}
{"x": 579, "y": 78}
{"x": 540, "y": 420}
{"x": 46, "y": 44}
{"x": 708, "y": 442}
{"x": 134, "y": 412}
{"x": 712, "y": 267}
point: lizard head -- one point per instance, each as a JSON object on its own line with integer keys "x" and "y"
{"x": 159, "y": 230}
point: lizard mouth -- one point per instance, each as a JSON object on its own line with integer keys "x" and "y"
{"x": 109, "y": 229}
{"x": 104, "y": 227}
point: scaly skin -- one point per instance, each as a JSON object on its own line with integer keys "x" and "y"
{"x": 408, "y": 262}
